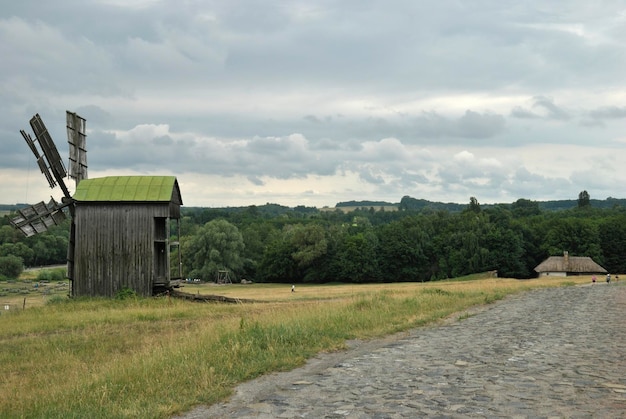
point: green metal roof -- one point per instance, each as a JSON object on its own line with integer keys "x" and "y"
{"x": 128, "y": 188}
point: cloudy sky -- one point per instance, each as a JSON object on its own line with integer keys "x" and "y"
{"x": 317, "y": 102}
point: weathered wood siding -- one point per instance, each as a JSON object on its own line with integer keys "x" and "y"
{"x": 116, "y": 245}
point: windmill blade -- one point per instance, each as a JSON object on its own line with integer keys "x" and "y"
{"x": 77, "y": 139}
{"x": 41, "y": 162}
{"x": 48, "y": 147}
{"x": 39, "y": 217}
{"x": 43, "y": 166}
{"x": 30, "y": 142}
{"x": 50, "y": 153}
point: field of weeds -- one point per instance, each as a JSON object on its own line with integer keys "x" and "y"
{"x": 155, "y": 357}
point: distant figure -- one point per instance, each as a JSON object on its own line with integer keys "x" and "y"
{"x": 593, "y": 280}
{"x": 608, "y": 278}
{"x": 293, "y": 288}
{"x": 616, "y": 278}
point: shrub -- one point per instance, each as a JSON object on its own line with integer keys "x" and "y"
{"x": 125, "y": 294}
{"x": 11, "y": 266}
{"x": 57, "y": 274}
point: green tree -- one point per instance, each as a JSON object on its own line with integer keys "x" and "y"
{"x": 473, "y": 205}
{"x": 20, "y": 250}
{"x": 256, "y": 237}
{"x": 277, "y": 265}
{"x": 218, "y": 245}
{"x": 504, "y": 242}
{"x": 525, "y": 208}
{"x": 356, "y": 259}
{"x": 612, "y": 232}
{"x": 309, "y": 242}
{"x": 9, "y": 234}
{"x": 309, "y": 248}
{"x": 11, "y": 266}
{"x": 461, "y": 244}
{"x": 424, "y": 241}
{"x": 48, "y": 249}
{"x": 578, "y": 236}
{"x": 404, "y": 248}
{"x": 584, "y": 201}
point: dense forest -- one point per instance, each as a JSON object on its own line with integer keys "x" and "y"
{"x": 421, "y": 241}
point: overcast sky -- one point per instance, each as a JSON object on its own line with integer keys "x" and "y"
{"x": 317, "y": 102}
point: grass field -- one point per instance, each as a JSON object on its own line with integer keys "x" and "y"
{"x": 28, "y": 292}
{"x": 154, "y": 357}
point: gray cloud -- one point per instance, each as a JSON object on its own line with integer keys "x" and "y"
{"x": 542, "y": 108}
{"x": 608, "y": 112}
{"x": 419, "y": 97}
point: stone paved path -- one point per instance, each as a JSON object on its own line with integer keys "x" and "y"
{"x": 557, "y": 353}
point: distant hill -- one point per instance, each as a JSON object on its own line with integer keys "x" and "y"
{"x": 573, "y": 203}
{"x": 350, "y": 206}
{"x": 5, "y": 208}
{"x": 364, "y": 204}
{"x": 406, "y": 203}
{"x": 416, "y": 204}
{"x": 268, "y": 210}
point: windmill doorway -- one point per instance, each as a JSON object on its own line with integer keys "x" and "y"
{"x": 161, "y": 252}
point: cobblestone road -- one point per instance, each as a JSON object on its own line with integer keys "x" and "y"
{"x": 557, "y": 353}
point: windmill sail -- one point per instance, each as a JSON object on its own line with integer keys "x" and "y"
{"x": 77, "y": 139}
{"x": 41, "y": 161}
{"x": 53, "y": 160}
{"x": 38, "y": 218}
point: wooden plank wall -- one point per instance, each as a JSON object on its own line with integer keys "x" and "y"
{"x": 114, "y": 248}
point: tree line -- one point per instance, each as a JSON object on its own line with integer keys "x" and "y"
{"x": 419, "y": 242}
{"x": 17, "y": 251}
{"x": 425, "y": 244}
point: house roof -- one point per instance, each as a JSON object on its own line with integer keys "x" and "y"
{"x": 129, "y": 189}
{"x": 578, "y": 264}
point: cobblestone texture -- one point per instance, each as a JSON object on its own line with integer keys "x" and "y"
{"x": 557, "y": 353}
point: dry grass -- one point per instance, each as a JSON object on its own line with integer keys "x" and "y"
{"x": 159, "y": 356}
{"x": 282, "y": 292}
{"x": 26, "y": 294}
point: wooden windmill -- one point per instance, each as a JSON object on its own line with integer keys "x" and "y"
{"x": 38, "y": 218}
{"x": 123, "y": 230}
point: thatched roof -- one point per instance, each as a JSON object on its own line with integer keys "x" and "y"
{"x": 577, "y": 264}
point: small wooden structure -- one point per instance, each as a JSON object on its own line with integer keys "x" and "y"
{"x": 567, "y": 265}
{"x": 123, "y": 235}
{"x": 223, "y": 277}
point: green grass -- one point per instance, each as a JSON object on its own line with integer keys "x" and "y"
{"x": 155, "y": 357}
{"x": 28, "y": 293}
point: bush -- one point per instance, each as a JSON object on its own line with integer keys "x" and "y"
{"x": 125, "y": 294}
{"x": 11, "y": 266}
{"x": 57, "y": 274}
